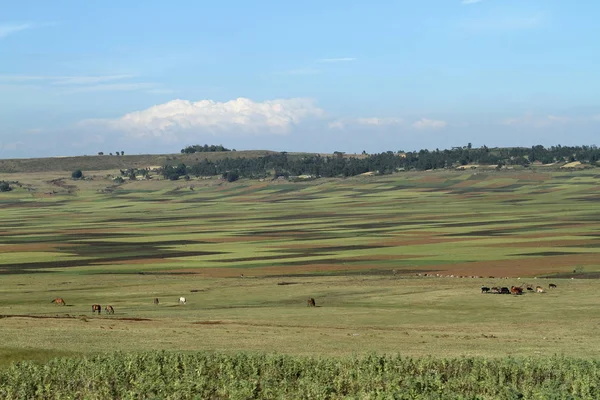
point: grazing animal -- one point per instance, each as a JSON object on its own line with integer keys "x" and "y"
{"x": 156, "y": 300}
{"x": 311, "y": 302}
{"x": 182, "y": 300}
{"x": 504, "y": 290}
{"x": 485, "y": 289}
{"x": 96, "y": 307}
{"x": 109, "y": 310}
{"x": 552, "y": 285}
{"x": 530, "y": 288}
{"x": 516, "y": 290}
{"x": 495, "y": 290}
{"x": 59, "y": 301}
{"x": 539, "y": 289}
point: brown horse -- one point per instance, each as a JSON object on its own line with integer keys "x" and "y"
{"x": 109, "y": 310}
{"x": 516, "y": 290}
{"x": 156, "y": 300}
{"x": 59, "y": 301}
{"x": 311, "y": 302}
{"x": 96, "y": 307}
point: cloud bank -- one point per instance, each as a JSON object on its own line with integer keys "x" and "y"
{"x": 9, "y": 29}
{"x": 239, "y": 116}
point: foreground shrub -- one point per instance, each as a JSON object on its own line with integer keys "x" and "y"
{"x": 164, "y": 375}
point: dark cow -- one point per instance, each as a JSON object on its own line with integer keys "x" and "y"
{"x": 109, "y": 310}
{"x": 485, "y": 289}
{"x": 516, "y": 290}
{"x": 156, "y": 300}
{"x": 529, "y": 288}
{"x": 504, "y": 290}
{"x": 552, "y": 286}
{"x": 311, "y": 302}
{"x": 59, "y": 301}
{"x": 96, "y": 307}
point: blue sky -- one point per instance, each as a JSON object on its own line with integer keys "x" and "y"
{"x": 155, "y": 76}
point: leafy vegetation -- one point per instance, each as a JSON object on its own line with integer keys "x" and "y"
{"x": 383, "y": 163}
{"x": 260, "y": 376}
{"x": 77, "y": 174}
{"x": 203, "y": 149}
{"x": 5, "y": 186}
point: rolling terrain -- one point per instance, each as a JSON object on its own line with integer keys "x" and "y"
{"x": 395, "y": 264}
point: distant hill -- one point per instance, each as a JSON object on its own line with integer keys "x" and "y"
{"x": 108, "y": 162}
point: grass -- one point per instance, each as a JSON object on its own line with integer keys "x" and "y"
{"x": 355, "y": 245}
{"x": 255, "y": 376}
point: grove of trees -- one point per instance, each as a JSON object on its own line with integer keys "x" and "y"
{"x": 203, "y": 149}
{"x": 339, "y": 165}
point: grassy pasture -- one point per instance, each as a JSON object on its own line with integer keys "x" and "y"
{"x": 355, "y": 245}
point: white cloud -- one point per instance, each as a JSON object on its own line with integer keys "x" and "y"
{"x": 8, "y": 29}
{"x": 301, "y": 71}
{"x": 63, "y": 80}
{"x": 596, "y": 117}
{"x": 112, "y": 87}
{"x": 86, "y": 83}
{"x": 160, "y": 91}
{"x": 207, "y": 116}
{"x": 425, "y": 123}
{"x": 336, "y": 60}
{"x": 504, "y": 24}
{"x": 467, "y": 2}
{"x": 372, "y": 121}
{"x": 87, "y": 80}
{"x": 533, "y": 121}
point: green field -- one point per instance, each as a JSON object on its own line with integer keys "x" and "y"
{"x": 248, "y": 254}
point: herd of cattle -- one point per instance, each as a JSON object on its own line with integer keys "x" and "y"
{"x": 514, "y": 289}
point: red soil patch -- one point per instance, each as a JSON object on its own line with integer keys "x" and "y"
{"x": 134, "y": 262}
{"x": 530, "y": 266}
{"x": 425, "y": 240}
{"x": 16, "y": 248}
{"x": 382, "y": 257}
{"x": 268, "y": 271}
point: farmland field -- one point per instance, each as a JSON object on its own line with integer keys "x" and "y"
{"x": 247, "y": 255}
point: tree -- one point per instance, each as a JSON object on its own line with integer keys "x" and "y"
{"x": 5, "y": 187}
{"x": 77, "y": 174}
{"x": 231, "y": 176}
{"x": 122, "y": 153}
{"x": 100, "y": 153}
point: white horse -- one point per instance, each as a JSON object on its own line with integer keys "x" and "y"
{"x": 182, "y": 300}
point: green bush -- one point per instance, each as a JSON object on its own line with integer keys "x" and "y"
{"x": 5, "y": 186}
{"x": 77, "y": 174}
{"x": 166, "y": 375}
